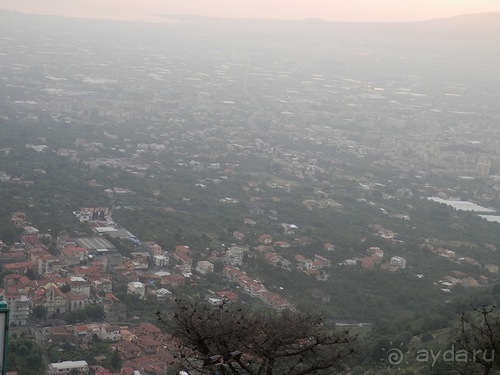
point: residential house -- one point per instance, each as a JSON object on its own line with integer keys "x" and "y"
{"x": 57, "y": 334}
{"x": 160, "y": 260}
{"x": 101, "y": 285}
{"x": 328, "y": 246}
{"x": 114, "y": 309}
{"x": 303, "y": 263}
{"x": 137, "y": 288}
{"x": 227, "y": 295}
{"x": 398, "y": 262}
{"x": 18, "y": 304}
{"x": 320, "y": 262}
{"x": 173, "y": 280}
{"x": 183, "y": 256}
{"x": 64, "y": 241}
{"x": 17, "y": 256}
{"x": 74, "y": 255}
{"x": 289, "y": 228}
{"x": 238, "y": 235}
{"x": 163, "y": 293}
{"x": 128, "y": 350}
{"x": 368, "y": 263}
{"x": 124, "y": 274}
{"x": 204, "y": 267}
{"x": 154, "y": 248}
{"x": 148, "y": 329}
{"x": 47, "y": 264}
{"x": 282, "y": 244}
{"x": 79, "y": 285}
{"x": 375, "y": 251}
{"x": 249, "y": 222}
{"x": 275, "y": 301}
{"x": 149, "y": 345}
{"x": 20, "y": 268}
{"x": 76, "y": 301}
{"x": 302, "y": 241}
{"x": 265, "y": 239}
{"x": 469, "y": 281}
{"x": 183, "y": 249}
{"x": 272, "y": 258}
{"x": 264, "y": 248}
{"x": 234, "y": 255}
{"x": 110, "y": 332}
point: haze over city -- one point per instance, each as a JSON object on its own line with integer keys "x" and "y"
{"x": 328, "y": 10}
{"x": 235, "y": 187}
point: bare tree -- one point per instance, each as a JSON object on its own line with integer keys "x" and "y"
{"x": 257, "y": 341}
{"x": 478, "y": 333}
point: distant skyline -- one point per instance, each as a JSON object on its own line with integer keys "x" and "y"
{"x": 328, "y": 10}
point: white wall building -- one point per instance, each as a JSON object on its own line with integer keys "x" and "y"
{"x": 79, "y": 285}
{"x": 398, "y": 262}
{"x": 204, "y": 267}
{"x": 137, "y": 288}
{"x": 66, "y": 367}
{"x": 160, "y": 260}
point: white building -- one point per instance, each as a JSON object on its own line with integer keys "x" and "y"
{"x": 483, "y": 168}
{"x": 66, "y": 367}
{"x": 19, "y": 307}
{"x": 109, "y": 332}
{"x": 79, "y": 285}
{"x": 163, "y": 293}
{"x": 349, "y": 262}
{"x": 137, "y": 288}
{"x": 160, "y": 260}
{"x": 398, "y": 262}
{"x": 204, "y": 267}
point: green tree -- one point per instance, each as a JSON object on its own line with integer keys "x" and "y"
{"x": 116, "y": 361}
{"x": 75, "y": 316}
{"x": 25, "y": 356}
{"x": 30, "y": 274}
{"x": 40, "y": 312}
{"x": 95, "y": 312}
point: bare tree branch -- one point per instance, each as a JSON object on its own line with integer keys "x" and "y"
{"x": 289, "y": 342}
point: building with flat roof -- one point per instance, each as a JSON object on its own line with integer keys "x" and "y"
{"x": 65, "y": 367}
{"x": 398, "y": 262}
{"x": 137, "y": 288}
{"x": 94, "y": 243}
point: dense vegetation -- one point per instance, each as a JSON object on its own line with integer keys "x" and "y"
{"x": 25, "y": 356}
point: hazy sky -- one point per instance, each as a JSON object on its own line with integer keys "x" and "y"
{"x": 331, "y": 10}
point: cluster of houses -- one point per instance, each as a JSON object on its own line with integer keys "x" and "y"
{"x": 82, "y": 270}
{"x": 451, "y": 255}
{"x": 144, "y": 349}
{"x": 256, "y": 289}
{"x": 460, "y": 278}
{"x": 80, "y": 273}
{"x": 447, "y": 283}
{"x": 268, "y": 248}
{"x": 384, "y": 233}
{"x": 375, "y": 258}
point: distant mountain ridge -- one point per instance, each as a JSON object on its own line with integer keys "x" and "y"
{"x": 471, "y": 23}
{"x": 470, "y": 33}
